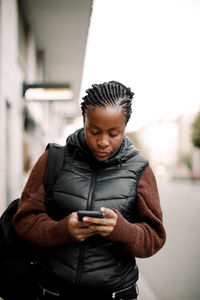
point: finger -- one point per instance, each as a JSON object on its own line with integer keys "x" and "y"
{"x": 104, "y": 230}
{"x": 81, "y": 224}
{"x": 76, "y": 223}
{"x": 109, "y": 213}
{"x": 91, "y": 220}
{"x": 82, "y": 237}
{"x": 83, "y": 234}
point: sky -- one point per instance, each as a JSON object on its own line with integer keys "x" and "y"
{"x": 152, "y": 47}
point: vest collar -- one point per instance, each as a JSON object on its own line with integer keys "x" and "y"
{"x": 79, "y": 149}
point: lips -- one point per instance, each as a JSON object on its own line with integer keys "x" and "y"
{"x": 101, "y": 153}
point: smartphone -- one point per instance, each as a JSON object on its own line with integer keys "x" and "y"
{"x": 89, "y": 213}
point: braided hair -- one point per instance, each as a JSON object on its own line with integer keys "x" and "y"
{"x": 110, "y": 93}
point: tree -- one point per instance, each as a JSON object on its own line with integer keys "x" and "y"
{"x": 187, "y": 161}
{"x": 196, "y": 131}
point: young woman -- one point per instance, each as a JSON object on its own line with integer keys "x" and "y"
{"x": 102, "y": 171}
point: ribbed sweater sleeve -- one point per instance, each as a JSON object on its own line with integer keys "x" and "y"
{"x": 31, "y": 221}
{"x": 146, "y": 235}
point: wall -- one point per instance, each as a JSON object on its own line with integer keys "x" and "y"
{"x": 13, "y": 71}
{"x": 10, "y": 115}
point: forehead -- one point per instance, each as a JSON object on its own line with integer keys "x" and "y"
{"x": 105, "y": 117}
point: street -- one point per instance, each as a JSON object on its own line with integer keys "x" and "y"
{"x": 174, "y": 272}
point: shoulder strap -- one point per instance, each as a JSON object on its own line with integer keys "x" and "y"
{"x": 54, "y": 164}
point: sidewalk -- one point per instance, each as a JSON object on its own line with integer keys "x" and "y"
{"x": 145, "y": 292}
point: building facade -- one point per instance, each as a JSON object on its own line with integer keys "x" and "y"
{"x": 26, "y": 57}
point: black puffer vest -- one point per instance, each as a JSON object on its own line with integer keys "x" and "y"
{"x": 86, "y": 183}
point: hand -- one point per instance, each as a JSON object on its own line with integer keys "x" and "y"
{"x": 80, "y": 230}
{"x": 102, "y": 226}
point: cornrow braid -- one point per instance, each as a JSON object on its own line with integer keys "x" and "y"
{"x": 106, "y": 94}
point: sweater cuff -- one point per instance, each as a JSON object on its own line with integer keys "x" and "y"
{"x": 59, "y": 235}
{"x": 63, "y": 233}
{"x": 121, "y": 228}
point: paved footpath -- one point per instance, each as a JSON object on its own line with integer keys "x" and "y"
{"x": 174, "y": 272}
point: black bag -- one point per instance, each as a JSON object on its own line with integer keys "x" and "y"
{"x": 18, "y": 259}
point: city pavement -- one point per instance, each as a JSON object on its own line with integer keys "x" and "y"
{"x": 174, "y": 272}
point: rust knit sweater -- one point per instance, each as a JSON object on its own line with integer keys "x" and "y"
{"x": 140, "y": 239}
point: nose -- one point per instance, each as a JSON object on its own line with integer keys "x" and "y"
{"x": 103, "y": 141}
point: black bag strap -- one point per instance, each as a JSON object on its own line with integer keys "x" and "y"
{"x": 54, "y": 164}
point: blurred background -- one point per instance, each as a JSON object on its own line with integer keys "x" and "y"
{"x": 52, "y": 51}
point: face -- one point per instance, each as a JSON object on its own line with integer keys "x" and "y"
{"x": 104, "y": 130}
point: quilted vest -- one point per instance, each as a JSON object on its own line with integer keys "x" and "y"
{"x": 85, "y": 183}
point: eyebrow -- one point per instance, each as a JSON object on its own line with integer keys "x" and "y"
{"x": 113, "y": 128}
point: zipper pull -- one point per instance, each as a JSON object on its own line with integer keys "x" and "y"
{"x": 113, "y": 295}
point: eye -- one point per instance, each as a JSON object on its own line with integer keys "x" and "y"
{"x": 114, "y": 134}
{"x": 94, "y": 132}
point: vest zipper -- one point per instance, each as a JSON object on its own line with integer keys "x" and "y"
{"x": 123, "y": 290}
{"x": 82, "y": 245}
{"x": 89, "y": 201}
{"x": 80, "y": 263}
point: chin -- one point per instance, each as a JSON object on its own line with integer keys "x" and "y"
{"x": 101, "y": 158}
